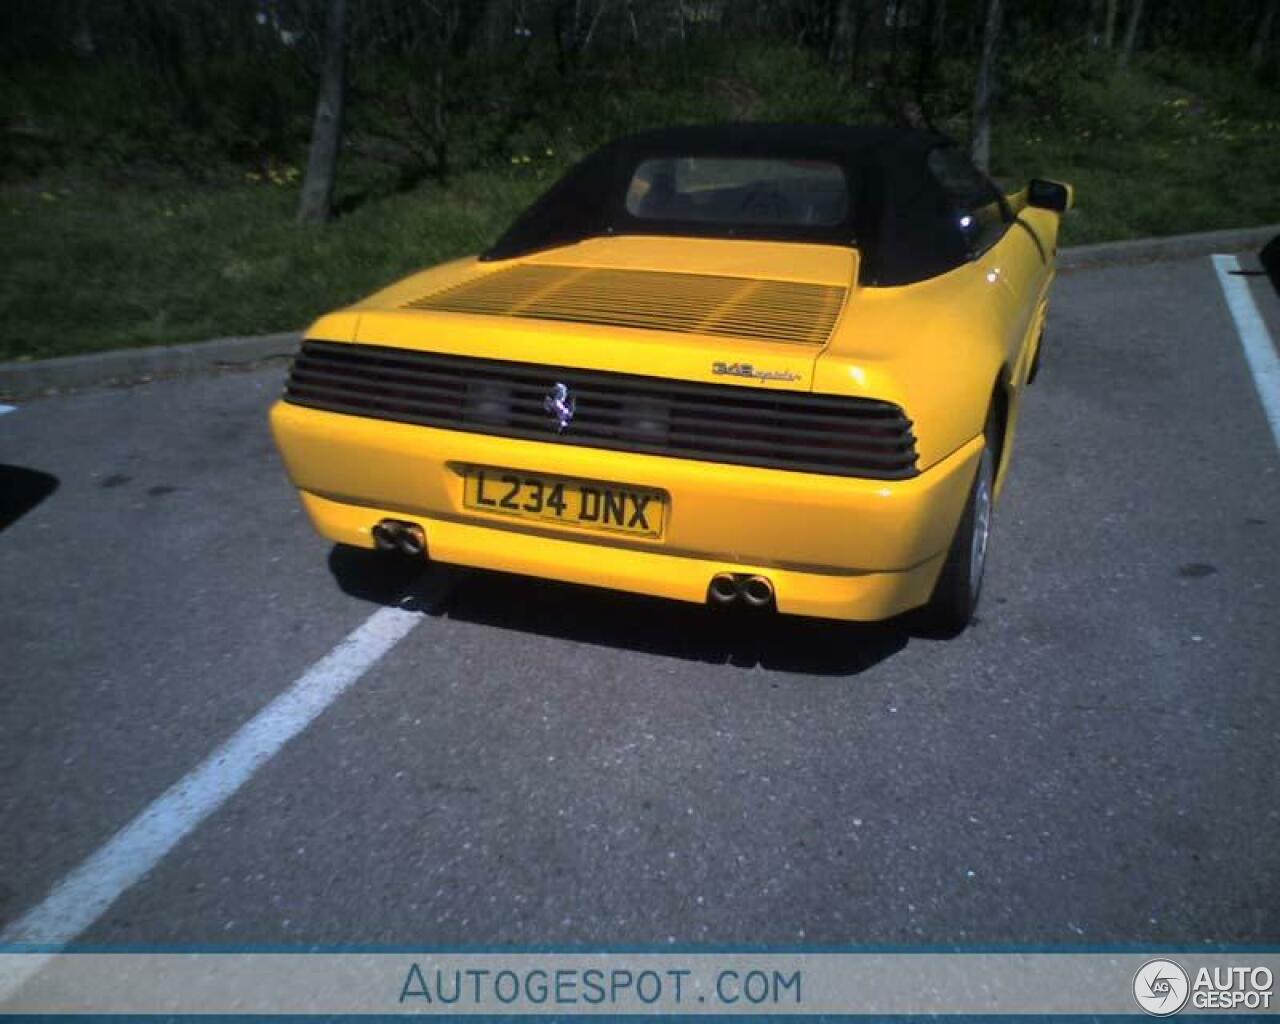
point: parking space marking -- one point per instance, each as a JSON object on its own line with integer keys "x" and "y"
{"x": 1259, "y": 349}
{"x": 84, "y": 895}
{"x": 7, "y": 408}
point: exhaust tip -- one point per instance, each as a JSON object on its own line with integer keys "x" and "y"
{"x": 757, "y": 591}
{"x": 412, "y": 542}
{"x": 723, "y": 589}
{"x": 396, "y": 535}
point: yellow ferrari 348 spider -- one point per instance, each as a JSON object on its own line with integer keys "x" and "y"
{"x": 778, "y": 366}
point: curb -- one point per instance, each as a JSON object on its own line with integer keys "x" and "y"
{"x": 1171, "y": 247}
{"x": 135, "y": 365}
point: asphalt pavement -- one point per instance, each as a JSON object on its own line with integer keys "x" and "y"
{"x": 1093, "y": 763}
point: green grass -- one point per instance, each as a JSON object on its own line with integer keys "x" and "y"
{"x": 103, "y": 267}
{"x": 99, "y": 258}
{"x": 1149, "y": 154}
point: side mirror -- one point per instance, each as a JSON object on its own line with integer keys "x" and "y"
{"x": 1049, "y": 195}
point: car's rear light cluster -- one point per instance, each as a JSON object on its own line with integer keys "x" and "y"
{"x": 710, "y": 422}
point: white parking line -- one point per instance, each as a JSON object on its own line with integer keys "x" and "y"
{"x": 7, "y": 408}
{"x": 1259, "y": 350}
{"x": 85, "y": 894}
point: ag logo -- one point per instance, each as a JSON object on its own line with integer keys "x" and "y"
{"x": 1161, "y": 987}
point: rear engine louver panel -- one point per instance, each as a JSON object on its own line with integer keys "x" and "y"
{"x": 733, "y": 307}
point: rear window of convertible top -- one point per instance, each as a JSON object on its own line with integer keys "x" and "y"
{"x": 739, "y": 191}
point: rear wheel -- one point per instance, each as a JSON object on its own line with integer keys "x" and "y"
{"x": 955, "y": 595}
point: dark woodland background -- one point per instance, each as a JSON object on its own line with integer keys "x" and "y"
{"x": 178, "y": 169}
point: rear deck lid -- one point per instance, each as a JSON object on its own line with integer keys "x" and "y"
{"x": 740, "y": 312}
{"x": 730, "y": 307}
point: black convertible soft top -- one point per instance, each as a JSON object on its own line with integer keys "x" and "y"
{"x": 898, "y": 215}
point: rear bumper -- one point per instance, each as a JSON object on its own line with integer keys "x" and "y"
{"x": 862, "y": 597}
{"x": 833, "y": 547}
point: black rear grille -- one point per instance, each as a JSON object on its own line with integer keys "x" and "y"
{"x": 710, "y": 422}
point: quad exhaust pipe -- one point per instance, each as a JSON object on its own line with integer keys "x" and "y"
{"x": 397, "y": 535}
{"x": 753, "y": 591}
{"x": 757, "y": 591}
{"x": 723, "y": 589}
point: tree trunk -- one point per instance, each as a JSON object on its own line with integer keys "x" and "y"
{"x": 1109, "y": 33}
{"x": 632, "y": 24}
{"x": 841, "y": 32}
{"x": 926, "y": 61}
{"x": 84, "y": 42}
{"x": 439, "y": 123}
{"x": 1131, "y": 33}
{"x": 581, "y": 27}
{"x": 591, "y": 27}
{"x": 985, "y": 87}
{"x": 316, "y": 205}
{"x": 1259, "y": 48}
{"x": 858, "y": 45}
{"x": 895, "y": 30}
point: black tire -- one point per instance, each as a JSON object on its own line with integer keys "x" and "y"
{"x": 955, "y": 595}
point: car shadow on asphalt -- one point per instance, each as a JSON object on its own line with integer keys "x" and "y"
{"x": 383, "y": 578}
{"x": 21, "y": 490}
{"x": 609, "y": 618}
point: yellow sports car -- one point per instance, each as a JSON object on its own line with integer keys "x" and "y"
{"x": 775, "y": 366}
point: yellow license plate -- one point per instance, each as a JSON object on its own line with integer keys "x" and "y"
{"x": 617, "y": 508}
